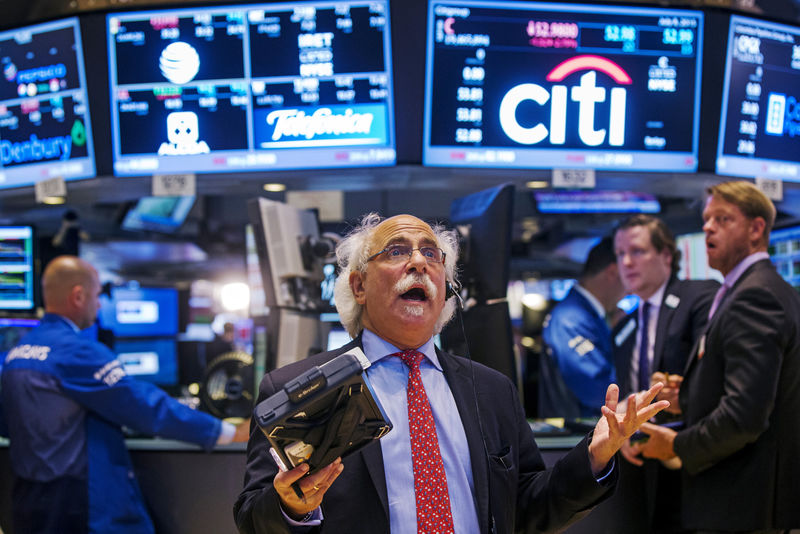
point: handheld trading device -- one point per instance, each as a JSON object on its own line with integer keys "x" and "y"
{"x": 326, "y": 412}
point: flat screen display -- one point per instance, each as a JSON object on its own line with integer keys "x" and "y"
{"x": 45, "y": 131}
{"x": 141, "y": 312}
{"x": 153, "y": 360}
{"x": 784, "y": 249}
{"x": 544, "y": 85}
{"x": 11, "y": 331}
{"x": 17, "y": 273}
{"x": 158, "y": 214}
{"x": 596, "y": 202}
{"x": 760, "y": 126}
{"x": 256, "y": 87}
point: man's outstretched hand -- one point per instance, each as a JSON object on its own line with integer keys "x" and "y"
{"x": 615, "y": 427}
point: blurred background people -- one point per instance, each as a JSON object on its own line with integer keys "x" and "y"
{"x": 740, "y": 395}
{"x": 65, "y": 399}
{"x": 578, "y": 364}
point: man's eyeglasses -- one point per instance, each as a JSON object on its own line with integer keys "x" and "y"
{"x": 402, "y": 253}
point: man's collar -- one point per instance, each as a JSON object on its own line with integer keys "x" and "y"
{"x": 656, "y": 298}
{"x": 598, "y": 307}
{"x": 376, "y": 348}
{"x": 742, "y": 266}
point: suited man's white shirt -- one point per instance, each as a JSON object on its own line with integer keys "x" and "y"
{"x": 655, "y": 307}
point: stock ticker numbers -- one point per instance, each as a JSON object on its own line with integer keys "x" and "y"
{"x": 272, "y": 86}
{"x": 557, "y": 85}
{"x": 760, "y": 127}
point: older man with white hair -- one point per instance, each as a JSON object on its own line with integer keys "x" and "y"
{"x": 461, "y": 456}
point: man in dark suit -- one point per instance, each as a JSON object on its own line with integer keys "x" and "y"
{"x": 480, "y": 454}
{"x": 674, "y": 312}
{"x": 741, "y": 390}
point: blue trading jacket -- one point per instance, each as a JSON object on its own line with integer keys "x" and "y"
{"x": 578, "y": 345}
{"x": 65, "y": 400}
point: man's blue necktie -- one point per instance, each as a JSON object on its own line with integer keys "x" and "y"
{"x": 644, "y": 361}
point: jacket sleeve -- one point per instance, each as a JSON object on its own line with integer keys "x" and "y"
{"x": 93, "y": 377}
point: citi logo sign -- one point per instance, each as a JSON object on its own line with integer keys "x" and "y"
{"x": 587, "y": 94}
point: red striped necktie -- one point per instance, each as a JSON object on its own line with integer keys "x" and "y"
{"x": 430, "y": 480}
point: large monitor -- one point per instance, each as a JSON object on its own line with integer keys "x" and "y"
{"x": 17, "y": 269}
{"x": 256, "y": 87}
{"x": 760, "y": 126}
{"x": 141, "y": 312}
{"x": 784, "y": 249}
{"x": 158, "y": 214}
{"x": 45, "y": 131}
{"x": 547, "y": 85}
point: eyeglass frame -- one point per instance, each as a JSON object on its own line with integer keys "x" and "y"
{"x": 411, "y": 252}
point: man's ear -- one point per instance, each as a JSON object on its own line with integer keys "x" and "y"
{"x": 357, "y": 286}
{"x": 77, "y": 296}
{"x": 757, "y": 226}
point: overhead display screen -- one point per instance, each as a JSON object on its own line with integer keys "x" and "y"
{"x": 536, "y": 85}
{"x": 257, "y": 87}
{"x": 45, "y": 130}
{"x": 760, "y": 127}
{"x": 17, "y": 273}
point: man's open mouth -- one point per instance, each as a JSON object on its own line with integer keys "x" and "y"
{"x": 416, "y": 293}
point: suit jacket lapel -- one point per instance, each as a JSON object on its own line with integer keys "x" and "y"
{"x": 373, "y": 460}
{"x": 459, "y": 378}
{"x": 665, "y": 315}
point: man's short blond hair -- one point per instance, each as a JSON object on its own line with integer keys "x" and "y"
{"x": 750, "y": 200}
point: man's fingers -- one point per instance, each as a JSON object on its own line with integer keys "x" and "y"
{"x": 648, "y": 428}
{"x": 644, "y": 414}
{"x": 651, "y": 393}
{"x": 612, "y": 397}
{"x": 287, "y": 478}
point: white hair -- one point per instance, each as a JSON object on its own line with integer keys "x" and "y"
{"x": 352, "y": 253}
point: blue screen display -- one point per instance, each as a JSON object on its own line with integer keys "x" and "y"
{"x": 11, "y": 331}
{"x": 45, "y": 131}
{"x": 153, "y": 360}
{"x": 546, "y": 85}
{"x": 760, "y": 126}
{"x": 784, "y": 249}
{"x": 256, "y": 87}
{"x": 17, "y": 275}
{"x": 596, "y": 202}
{"x": 141, "y": 312}
{"x": 158, "y": 214}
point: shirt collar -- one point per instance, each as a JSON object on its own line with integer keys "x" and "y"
{"x": 69, "y": 322}
{"x": 592, "y": 300}
{"x": 376, "y": 348}
{"x": 742, "y": 266}
{"x": 656, "y": 298}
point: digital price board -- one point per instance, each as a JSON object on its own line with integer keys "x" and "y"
{"x": 45, "y": 131}
{"x": 535, "y": 85}
{"x": 760, "y": 126}
{"x": 256, "y": 87}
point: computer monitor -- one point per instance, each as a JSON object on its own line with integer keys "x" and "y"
{"x": 158, "y": 214}
{"x": 18, "y": 278}
{"x": 141, "y": 312}
{"x": 153, "y": 360}
{"x": 252, "y": 87}
{"x": 555, "y": 85}
{"x": 596, "y": 202}
{"x": 694, "y": 258}
{"x": 784, "y": 249}
{"x": 12, "y": 329}
{"x": 760, "y": 126}
{"x": 45, "y": 131}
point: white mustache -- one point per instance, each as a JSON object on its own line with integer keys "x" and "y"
{"x": 411, "y": 279}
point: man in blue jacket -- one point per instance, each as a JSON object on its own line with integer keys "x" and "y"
{"x": 578, "y": 364}
{"x": 65, "y": 400}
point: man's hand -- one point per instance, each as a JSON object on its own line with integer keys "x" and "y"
{"x": 672, "y": 387}
{"x": 631, "y": 452}
{"x": 313, "y": 487}
{"x": 242, "y": 433}
{"x": 660, "y": 443}
{"x": 613, "y": 429}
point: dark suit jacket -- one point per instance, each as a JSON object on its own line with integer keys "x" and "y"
{"x": 524, "y": 495}
{"x": 741, "y": 400}
{"x": 681, "y": 320}
{"x": 648, "y": 497}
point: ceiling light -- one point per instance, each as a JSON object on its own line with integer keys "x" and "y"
{"x": 537, "y": 184}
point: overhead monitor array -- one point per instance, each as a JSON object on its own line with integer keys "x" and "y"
{"x": 257, "y": 87}
{"x": 760, "y": 126}
{"x": 45, "y": 131}
{"x": 544, "y": 85}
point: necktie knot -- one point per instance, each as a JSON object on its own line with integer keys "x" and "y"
{"x": 412, "y": 358}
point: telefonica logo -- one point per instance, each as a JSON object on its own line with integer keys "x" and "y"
{"x": 586, "y": 95}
